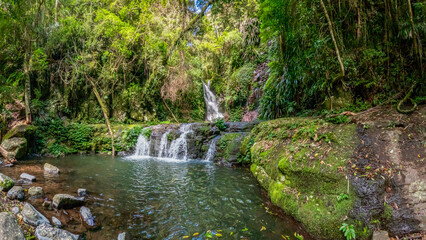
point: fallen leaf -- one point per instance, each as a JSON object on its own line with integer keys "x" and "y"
{"x": 263, "y": 228}
{"x": 185, "y": 236}
{"x": 218, "y": 234}
{"x": 195, "y": 234}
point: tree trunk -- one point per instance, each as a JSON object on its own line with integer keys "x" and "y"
{"x": 27, "y": 92}
{"x": 105, "y": 112}
{"x": 330, "y": 26}
{"x": 5, "y": 155}
{"x": 56, "y": 11}
{"x": 417, "y": 45}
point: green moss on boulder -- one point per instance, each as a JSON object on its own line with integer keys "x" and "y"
{"x": 301, "y": 163}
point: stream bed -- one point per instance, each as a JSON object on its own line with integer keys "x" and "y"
{"x": 159, "y": 198}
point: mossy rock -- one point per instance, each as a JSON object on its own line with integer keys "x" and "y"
{"x": 16, "y": 147}
{"x": 20, "y": 131}
{"x": 228, "y": 148}
{"x": 6, "y": 183}
{"x": 301, "y": 162}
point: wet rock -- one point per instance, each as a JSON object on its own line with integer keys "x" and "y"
{"x": 16, "y": 147}
{"x": 15, "y": 210}
{"x": 23, "y": 182}
{"x": 81, "y": 192}
{"x": 87, "y": 217}
{"x": 35, "y": 192}
{"x": 28, "y": 177}
{"x": 6, "y": 182}
{"x": 123, "y": 236}
{"x": 47, "y": 232}
{"x": 56, "y": 222}
{"x": 17, "y": 192}
{"x": 32, "y": 216}
{"x": 9, "y": 228}
{"x": 228, "y": 148}
{"x": 50, "y": 169}
{"x": 67, "y": 201}
{"x": 380, "y": 235}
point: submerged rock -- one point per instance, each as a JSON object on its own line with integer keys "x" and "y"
{"x": 50, "y": 169}
{"x": 67, "y": 201}
{"x": 56, "y": 222}
{"x": 87, "y": 217}
{"x": 32, "y": 216}
{"x": 28, "y": 177}
{"x": 123, "y": 236}
{"x": 17, "y": 192}
{"x": 47, "y": 232}
{"x": 16, "y": 147}
{"x": 6, "y": 182}
{"x": 9, "y": 228}
{"x": 35, "y": 192}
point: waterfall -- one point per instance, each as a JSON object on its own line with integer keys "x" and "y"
{"x": 178, "y": 148}
{"x": 212, "y": 149}
{"x": 211, "y": 103}
{"x": 163, "y": 145}
{"x": 142, "y": 146}
{"x": 180, "y": 144}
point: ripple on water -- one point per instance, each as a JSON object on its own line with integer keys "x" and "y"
{"x": 164, "y": 198}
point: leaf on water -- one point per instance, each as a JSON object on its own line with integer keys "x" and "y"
{"x": 245, "y": 229}
{"x": 195, "y": 234}
{"x": 231, "y": 233}
{"x": 185, "y": 236}
{"x": 218, "y": 234}
{"x": 284, "y": 237}
{"x": 263, "y": 228}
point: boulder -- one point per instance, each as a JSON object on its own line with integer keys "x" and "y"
{"x": 35, "y": 192}
{"x": 49, "y": 168}
{"x": 67, "y": 201}
{"x": 123, "y": 236}
{"x": 17, "y": 147}
{"x": 56, "y": 222}
{"x": 28, "y": 177}
{"x": 20, "y": 131}
{"x": 81, "y": 192}
{"x": 47, "y": 232}
{"x": 17, "y": 192}
{"x": 32, "y": 216}
{"x": 87, "y": 217}
{"x": 6, "y": 182}
{"x": 9, "y": 228}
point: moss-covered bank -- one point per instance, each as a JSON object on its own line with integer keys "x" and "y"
{"x": 301, "y": 162}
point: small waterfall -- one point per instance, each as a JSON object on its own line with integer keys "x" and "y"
{"x": 212, "y": 149}
{"x": 163, "y": 145}
{"x": 178, "y": 148}
{"x": 211, "y": 103}
{"x": 180, "y": 144}
{"x": 142, "y": 146}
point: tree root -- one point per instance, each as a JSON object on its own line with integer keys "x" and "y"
{"x": 406, "y": 98}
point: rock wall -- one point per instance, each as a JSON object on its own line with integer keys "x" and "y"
{"x": 368, "y": 174}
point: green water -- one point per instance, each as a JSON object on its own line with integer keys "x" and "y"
{"x": 154, "y": 199}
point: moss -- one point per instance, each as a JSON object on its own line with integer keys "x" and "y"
{"x": 7, "y": 184}
{"x": 301, "y": 162}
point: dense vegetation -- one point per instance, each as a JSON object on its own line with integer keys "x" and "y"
{"x": 147, "y": 60}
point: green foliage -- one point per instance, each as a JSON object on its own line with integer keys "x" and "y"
{"x": 220, "y": 124}
{"x": 348, "y": 231}
{"x": 338, "y": 119}
{"x": 131, "y": 136}
{"x": 342, "y": 197}
{"x": 7, "y": 184}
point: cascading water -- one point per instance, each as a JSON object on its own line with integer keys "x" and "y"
{"x": 178, "y": 148}
{"x": 212, "y": 149}
{"x": 142, "y": 146}
{"x": 163, "y": 145}
{"x": 211, "y": 103}
{"x": 180, "y": 145}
